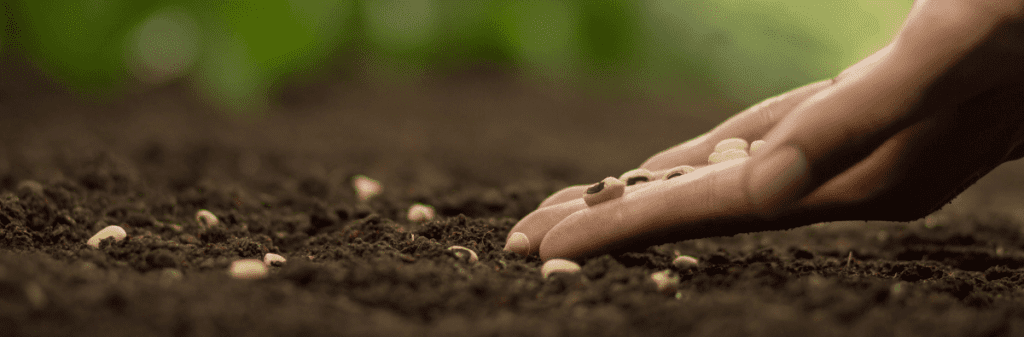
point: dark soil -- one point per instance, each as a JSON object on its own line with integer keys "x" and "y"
{"x": 484, "y": 152}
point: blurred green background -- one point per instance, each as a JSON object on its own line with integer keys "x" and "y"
{"x": 237, "y": 53}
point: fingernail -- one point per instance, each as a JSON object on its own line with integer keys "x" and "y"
{"x": 772, "y": 181}
{"x": 518, "y": 243}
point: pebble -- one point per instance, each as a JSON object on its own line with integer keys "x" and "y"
{"x": 518, "y": 243}
{"x": 685, "y": 262}
{"x": 678, "y": 171}
{"x": 730, "y": 154}
{"x": 248, "y": 269}
{"x": 272, "y": 259}
{"x": 421, "y": 212}
{"x": 115, "y": 232}
{"x": 366, "y": 188}
{"x": 464, "y": 253}
{"x": 756, "y": 146}
{"x": 206, "y": 219}
{"x": 558, "y": 266}
{"x": 604, "y": 190}
{"x": 731, "y": 144}
{"x": 666, "y": 282}
{"x": 636, "y": 176}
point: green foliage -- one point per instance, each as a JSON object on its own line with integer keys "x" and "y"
{"x": 236, "y": 51}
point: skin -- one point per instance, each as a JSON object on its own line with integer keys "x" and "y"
{"x": 894, "y": 137}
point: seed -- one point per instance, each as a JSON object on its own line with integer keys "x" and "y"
{"x": 518, "y": 243}
{"x": 731, "y": 154}
{"x": 731, "y": 144}
{"x": 464, "y": 253}
{"x": 756, "y": 146}
{"x": 558, "y": 266}
{"x": 685, "y": 262}
{"x": 636, "y": 176}
{"x": 115, "y": 232}
{"x": 421, "y": 212}
{"x": 607, "y": 189}
{"x": 206, "y": 218}
{"x": 248, "y": 269}
{"x": 666, "y": 282}
{"x": 272, "y": 259}
{"x": 366, "y": 188}
{"x": 678, "y": 171}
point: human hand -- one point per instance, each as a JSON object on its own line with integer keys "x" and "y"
{"x": 894, "y": 137}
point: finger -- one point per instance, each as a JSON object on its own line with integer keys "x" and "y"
{"x": 563, "y": 195}
{"x": 828, "y": 133}
{"x": 697, "y": 204}
{"x": 536, "y": 224}
{"x": 751, "y": 124}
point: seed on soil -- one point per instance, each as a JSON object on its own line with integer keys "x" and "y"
{"x": 604, "y": 190}
{"x": 666, "y": 282}
{"x": 756, "y": 146}
{"x": 636, "y": 176}
{"x": 731, "y": 144}
{"x": 678, "y": 171}
{"x": 685, "y": 262}
{"x": 464, "y": 254}
{"x": 421, "y": 212}
{"x": 248, "y": 269}
{"x": 366, "y": 188}
{"x": 115, "y": 232}
{"x": 518, "y": 243}
{"x": 206, "y": 218}
{"x": 558, "y": 266}
{"x": 731, "y": 154}
{"x": 272, "y": 259}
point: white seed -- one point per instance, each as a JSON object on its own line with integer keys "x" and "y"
{"x": 206, "y": 218}
{"x": 558, "y": 266}
{"x": 272, "y": 259}
{"x": 666, "y": 282}
{"x": 366, "y": 188}
{"x": 248, "y": 269}
{"x": 115, "y": 232}
{"x": 678, "y": 171}
{"x": 464, "y": 253}
{"x": 731, "y": 154}
{"x": 636, "y": 176}
{"x": 421, "y": 212}
{"x": 604, "y": 190}
{"x": 731, "y": 144}
{"x": 685, "y": 262}
{"x": 756, "y": 146}
{"x": 518, "y": 243}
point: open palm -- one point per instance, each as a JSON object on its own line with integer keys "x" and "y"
{"x": 894, "y": 137}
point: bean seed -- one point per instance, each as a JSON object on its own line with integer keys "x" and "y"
{"x": 115, "y": 232}
{"x": 558, "y": 266}
{"x": 421, "y": 212}
{"x": 607, "y": 189}
{"x": 678, "y": 171}
{"x": 731, "y": 154}
{"x": 366, "y": 188}
{"x": 636, "y": 176}
{"x": 464, "y": 253}
{"x": 272, "y": 259}
{"x": 756, "y": 146}
{"x": 248, "y": 269}
{"x": 685, "y": 262}
{"x": 730, "y": 144}
{"x": 206, "y": 218}
{"x": 518, "y": 243}
{"x": 666, "y": 282}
